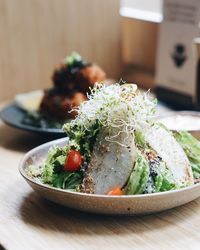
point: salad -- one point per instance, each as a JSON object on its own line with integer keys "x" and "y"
{"x": 116, "y": 147}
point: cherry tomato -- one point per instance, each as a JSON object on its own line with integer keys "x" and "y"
{"x": 73, "y": 161}
{"x": 115, "y": 191}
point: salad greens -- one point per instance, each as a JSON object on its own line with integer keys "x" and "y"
{"x": 83, "y": 140}
{"x": 139, "y": 176}
{"x": 54, "y": 163}
{"x": 53, "y": 172}
{"x": 148, "y": 175}
{"x": 122, "y": 112}
{"x": 191, "y": 146}
{"x": 67, "y": 180}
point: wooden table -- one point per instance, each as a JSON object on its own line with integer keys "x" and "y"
{"x": 30, "y": 222}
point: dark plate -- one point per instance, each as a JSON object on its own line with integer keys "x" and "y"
{"x": 12, "y": 115}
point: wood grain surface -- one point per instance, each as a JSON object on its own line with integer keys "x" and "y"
{"x": 30, "y": 222}
{"x": 36, "y": 34}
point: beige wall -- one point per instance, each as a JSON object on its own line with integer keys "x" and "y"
{"x": 36, "y": 34}
{"x": 139, "y": 42}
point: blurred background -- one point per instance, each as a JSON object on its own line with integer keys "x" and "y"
{"x": 36, "y": 34}
{"x": 121, "y": 36}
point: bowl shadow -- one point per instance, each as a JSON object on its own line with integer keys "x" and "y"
{"x": 47, "y": 215}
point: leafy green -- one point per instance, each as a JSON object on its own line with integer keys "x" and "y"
{"x": 140, "y": 140}
{"x": 73, "y": 59}
{"x": 163, "y": 184}
{"x": 158, "y": 182}
{"x": 191, "y": 146}
{"x": 84, "y": 139}
{"x": 74, "y": 63}
{"x": 163, "y": 126}
{"x": 67, "y": 180}
{"x": 53, "y": 171}
{"x": 163, "y": 180}
{"x": 139, "y": 176}
{"x": 167, "y": 185}
{"x": 159, "y": 177}
{"x": 54, "y": 163}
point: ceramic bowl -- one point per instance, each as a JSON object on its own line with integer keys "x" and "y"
{"x": 104, "y": 204}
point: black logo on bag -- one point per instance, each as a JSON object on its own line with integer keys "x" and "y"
{"x": 179, "y": 55}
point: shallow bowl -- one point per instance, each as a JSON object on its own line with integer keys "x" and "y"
{"x": 104, "y": 204}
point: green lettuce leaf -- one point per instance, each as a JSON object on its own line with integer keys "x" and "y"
{"x": 139, "y": 176}
{"x": 84, "y": 139}
{"x": 163, "y": 184}
{"x": 140, "y": 140}
{"x": 54, "y": 174}
{"x": 54, "y": 163}
{"x": 163, "y": 180}
{"x": 67, "y": 180}
{"x": 191, "y": 146}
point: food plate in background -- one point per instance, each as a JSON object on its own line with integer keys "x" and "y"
{"x": 103, "y": 204}
{"x": 182, "y": 120}
{"x": 13, "y": 116}
{"x": 24, "y": 114}
{"x": 45, "y": 111}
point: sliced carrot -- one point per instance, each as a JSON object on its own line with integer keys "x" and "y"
{"x": 115, "y": 191}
